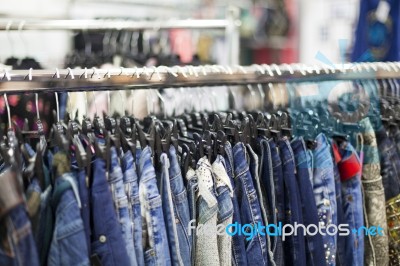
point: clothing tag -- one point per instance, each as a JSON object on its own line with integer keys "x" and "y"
{"x": 95, "y": 260}
{"x": 382, "y": 11}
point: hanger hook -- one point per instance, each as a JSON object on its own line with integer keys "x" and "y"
{"x": 268, "y": 68}
{"x": 277, "y": 69}
{"x": 95, "y": 103}
{"x": 8, "y": 110}
{"x": 289, "y": 68}
{"x": 86, "y": 104}
{"x": 163, "y": 103}
{"x": 70, "y": 73}
{"x": 57, "y": 73}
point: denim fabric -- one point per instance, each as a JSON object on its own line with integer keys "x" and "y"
{"x": 225, "y": 209}
{"x": 132, "y": 191}
{"x": 294, "y": 245}
{"x": 239, "y": 256}
{"x": 352, "y": 204}
{"x": 154, "y": 235}
{"x": 43, "y": 242}
{"x": 83, "y": 186}
{"x": 376, "y": 248}
{"x": 324, "y": 193}
{"x": 279, "y": 198}
{"x": 390, "y": 164}
{"x": 250, "y": 210}
{"x": 254, "y": 170}
{"x": 340, "y": 239}
{"x": 192, "y": 189}
{"x": 168, "y": 211}
{"x": 207, "y": 205}
{"x": 107, "y": 240}
{"x": 68, "y": 246}
{"x": 314, "y": 245}
{"x": 17, "y": 246}
{"x": 33, "y": 201}
{"x": 121, "y": 205}
{"x": 268, "y": 188}
{"x": 181, "y": 207}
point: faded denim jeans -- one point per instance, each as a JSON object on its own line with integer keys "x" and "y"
{"x": 121, "y": 205}
{"x": 132, "y": 191}
{"x": 225, "y": 209}
{"x": 324, "y": 193}
{"x": 154, "y": 236}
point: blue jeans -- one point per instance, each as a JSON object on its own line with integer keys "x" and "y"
{"x": 268, "y": 187}
{"x": 324, "y": 193}
{"x": 250, "y": 210}
{"x": 68, "y": 246}
{"x": 107, "y": 240}
{"x": 224, "y": 192}
{"x": 314, "y": 245}
{"x": 390, "y": 164}
{"x": 17, "y": 246}
{"x": 279, "y": 198}
{"x": 168, "y": 211}
{"x": 181, "y": 206}
{"x": 83, "y": 186}
{"x": 239, "y": 256}
{"x": 132, "y": 191}
{"x": 294, "y": 246}
{"x": 154, "y": 235}
{"x": 192, "y": 189}
{"x": 341, "y": 240}
{"x": 352, "y": 205}
{"x": 121, "y": 205}
{"x": 254, "y": 167}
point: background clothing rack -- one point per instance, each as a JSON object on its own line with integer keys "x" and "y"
{"x": 230, "y": 25}
{"x": 21, "y": 81}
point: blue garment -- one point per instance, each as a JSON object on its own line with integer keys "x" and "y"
{"x": 83, "y": 186}
{"x": 390, "y": 164}
{"x": 376, "y": 40}
{"x": 107, "y": 241}
{"x": 250, "y": 210}
{"x": 68, "y": 246}
{"x": 155, "y": 238}
{"x": 352, "y": 204}
{"x": 325, "y": 193}
{"x": 279, "y": 198}
{"x": 121, "y": 205}
{"x": 192, "y": 188}
{"x": 17, "y": 246}
{"x": 181, "y": 206}
{"x": 239, "y": 256}
{"x": 294, "y": 245}
{"x": 314, "y": 246}
{"x": 224, "y": 193}
{"x": 168, "y": 211}
{"x": 132, "y": 190}
{"x": 266, "y": 175}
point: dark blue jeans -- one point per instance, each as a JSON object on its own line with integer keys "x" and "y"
{"x": 250, "y": 210}
{"x": 17, "y": 246}
{"x": 279, "y": 198}
{"x": 294, "y": 245}
{"x": 390, "y": 164}
{"x": 239, "y": 256}
{"x": 314, "y": 244}
{"x": 107, "y": 241}
{"x": 83, "y": 186}
{"x": 268, "y": 188}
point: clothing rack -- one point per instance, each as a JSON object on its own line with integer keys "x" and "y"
{"x": 19, "y": 81}
{"x": 230, "y": 25}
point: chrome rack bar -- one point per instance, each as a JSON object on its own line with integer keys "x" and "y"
{"x": 21, "y": 81}
{"x": 111, "y": 24}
